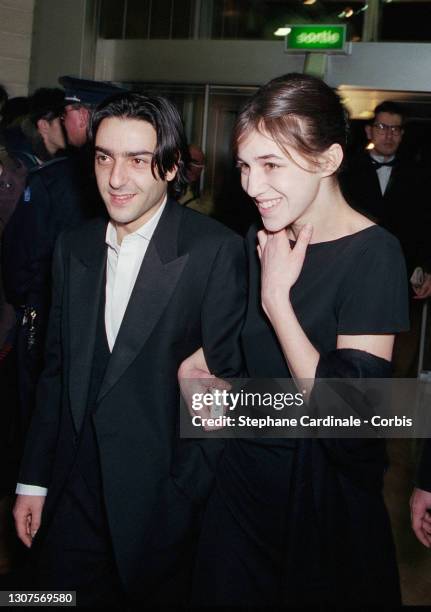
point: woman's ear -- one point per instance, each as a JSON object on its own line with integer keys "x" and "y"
{"x": 331, "y": 159}
{"x": 42, "y": 126}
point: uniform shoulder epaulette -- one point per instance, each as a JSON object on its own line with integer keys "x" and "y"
{"x": 48, "y": 164}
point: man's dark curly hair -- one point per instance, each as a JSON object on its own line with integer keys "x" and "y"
{"x": 171, "y": 151}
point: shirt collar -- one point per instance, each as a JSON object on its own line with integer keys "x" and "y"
{"x": 146, "y": 230}
{"x": 381, "y": 158}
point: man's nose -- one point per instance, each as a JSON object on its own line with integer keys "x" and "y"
{"x": 118, "y": 176}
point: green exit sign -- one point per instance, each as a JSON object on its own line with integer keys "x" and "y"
{"x": 319, "y": 38}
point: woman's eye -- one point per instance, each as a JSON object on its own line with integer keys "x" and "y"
{"x": 102, "y": 159}
{"x": 271, "y": 166}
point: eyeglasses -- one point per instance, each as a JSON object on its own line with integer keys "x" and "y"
{"x": 383, "y": 127}
{"x": 196, "y": 164}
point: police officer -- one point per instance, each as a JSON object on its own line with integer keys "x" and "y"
{"x": 59, "y": 195}
{"x": 81, "y": 97}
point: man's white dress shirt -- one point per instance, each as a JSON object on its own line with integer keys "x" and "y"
{"x": 122, "y": 267}
{"x": 384, "y": 172}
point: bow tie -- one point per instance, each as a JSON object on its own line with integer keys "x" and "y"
{"x": 378, "y": 165}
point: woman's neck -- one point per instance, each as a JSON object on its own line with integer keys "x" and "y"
{"x": 330, "y": 215}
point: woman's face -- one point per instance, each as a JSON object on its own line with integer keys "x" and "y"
{"x": 282, "y": 187}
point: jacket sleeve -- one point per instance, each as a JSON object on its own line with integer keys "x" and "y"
{"x": 223, "y": 309}
{"x": 222, "y": 317}
{"x": 41, "y": 440}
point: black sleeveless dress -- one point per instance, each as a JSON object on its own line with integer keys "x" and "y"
{"x": 286, "y": 525}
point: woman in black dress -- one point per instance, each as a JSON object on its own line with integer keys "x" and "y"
{"x": 303, "y": 521}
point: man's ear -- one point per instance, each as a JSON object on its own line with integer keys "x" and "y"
{"x": 84, "y": 116}
{"x": 42, "y": 126}
{"x": 331, "y": 159}
{"x": 369, "y": 132}
{"x": 171, "y": 174}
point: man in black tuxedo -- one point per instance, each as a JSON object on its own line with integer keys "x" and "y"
{"x": 394, "y": 192}
{"x": 131, "y": 299}
{"x": 391, "y": 190}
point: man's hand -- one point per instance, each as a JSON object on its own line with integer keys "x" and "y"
{"x": 194, "y": 377}
{"x": 423, "y": 291}
{"x": 420, "y": 502}
{"x": 27, "y": 513}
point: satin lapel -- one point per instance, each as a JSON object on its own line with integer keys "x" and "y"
{"x": 392, "y": 182}
{"x": 87, "y": 284}
{"x": 160, "y": 272}
{"x": 372, "y": 176}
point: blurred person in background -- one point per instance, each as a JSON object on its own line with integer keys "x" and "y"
{"x": 60, "y": 194}
{"x": 43, "y": 126}
{"x": 394, "y": 192}
{"x": 193, "y": 197}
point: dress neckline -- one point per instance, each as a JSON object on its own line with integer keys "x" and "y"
{"x": 342, "y": 238}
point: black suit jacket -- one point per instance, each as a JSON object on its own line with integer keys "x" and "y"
{"x": 403, "y": 209}
{"x": 190, "y": 292}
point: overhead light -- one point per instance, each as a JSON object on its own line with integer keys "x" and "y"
{"x": 348, "y": 12}
{"x": 366, "y": 114}
{"x": 370, "y": 146}
{"x": 282, "y": 31}
{"x": 309, "y": 1}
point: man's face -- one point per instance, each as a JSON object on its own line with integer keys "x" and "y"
{"x": 385, "y": 133}
{"x": 75, "y": 121}
{"x": 197, "y": 163}
{"x": 124, "y": 151}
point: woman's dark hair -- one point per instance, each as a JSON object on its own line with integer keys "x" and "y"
{"x": 296, "y": 110}
{"x": 171, "y": 149}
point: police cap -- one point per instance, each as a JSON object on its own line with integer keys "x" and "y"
{"x": 85, "y": 91}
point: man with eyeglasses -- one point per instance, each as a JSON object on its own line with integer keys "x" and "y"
{"x": 371, "y": 178}
{"x": 194, "y": 198}
{"x": 394, "y": 191}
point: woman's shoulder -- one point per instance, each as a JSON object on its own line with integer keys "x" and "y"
{"x": 373, "y": 257}
{"x": 372, "y": 239}
{"x": 377, "y": 236}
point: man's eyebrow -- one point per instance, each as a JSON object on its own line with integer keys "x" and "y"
{"x": 124, "y": 154}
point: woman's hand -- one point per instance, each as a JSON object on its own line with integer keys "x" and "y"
{"x": 281, "y": 264}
